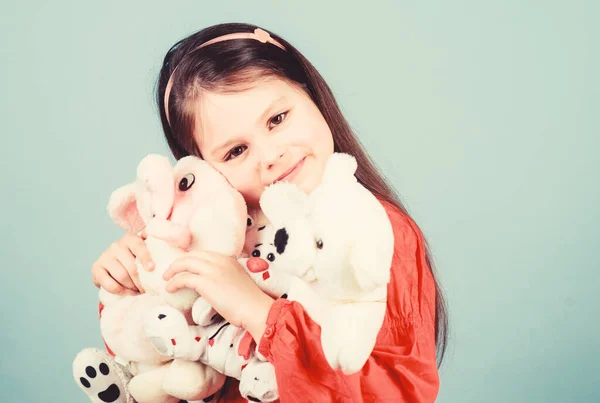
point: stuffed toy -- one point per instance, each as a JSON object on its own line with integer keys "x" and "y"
{"x": 260, "y": 258}
{"x": 190, "y": 207}
{"x": 227, "y": 348}
{"x": 317, "y": 250}
{"x": 340, "y": 242}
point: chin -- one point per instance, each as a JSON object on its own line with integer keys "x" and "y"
{"x": 307, "y": 185}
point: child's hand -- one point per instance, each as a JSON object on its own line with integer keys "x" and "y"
{"x": 224, "y": 284}
{"x": 115, "y": 270}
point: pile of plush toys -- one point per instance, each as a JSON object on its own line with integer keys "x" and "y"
{"x": 331, "y": 251}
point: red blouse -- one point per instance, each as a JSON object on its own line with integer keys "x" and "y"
{"x": 402, "y": 366}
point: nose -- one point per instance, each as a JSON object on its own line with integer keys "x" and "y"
{"x": 270, "y": 153}
{"x": 257, "y": 265}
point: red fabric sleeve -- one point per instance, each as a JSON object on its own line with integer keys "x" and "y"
{"x": 402, "y": 366}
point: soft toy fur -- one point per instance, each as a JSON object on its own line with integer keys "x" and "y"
{"x": 339, "y": 240}
{"x": 229, "y": 349}
{"x": 330, "y": 251}
{"x": 260, "y": 258}
{"x": 185, "y": 208}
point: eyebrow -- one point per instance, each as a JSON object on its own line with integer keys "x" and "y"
{"x": 261, "y": 119}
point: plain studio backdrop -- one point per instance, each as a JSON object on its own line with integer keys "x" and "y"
{"x": 483, "y": 114}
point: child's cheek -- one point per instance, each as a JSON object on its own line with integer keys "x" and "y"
{"x": 299, "y": 135}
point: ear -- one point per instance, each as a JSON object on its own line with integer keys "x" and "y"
{"x": 340, "y": 167}
{"x": 156, "y": 187}
{"x": 370, "y": 270}
{"x": 372, "y": 249}
{"x": 123, "y": 210}
{"x": 282, "y": 202}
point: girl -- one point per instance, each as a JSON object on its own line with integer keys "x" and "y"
{"x": 250, "y": 104}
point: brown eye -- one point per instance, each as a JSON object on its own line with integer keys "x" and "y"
{"x": 277, "y": 119}
{"x": 236, "y": 152}
{"x": 320, "y": 244}
{"x": 255, "y": 253}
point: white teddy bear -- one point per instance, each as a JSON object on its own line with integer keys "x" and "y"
{"x": 340, "y": 241}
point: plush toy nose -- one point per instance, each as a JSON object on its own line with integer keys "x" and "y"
{"x": 257, "y": 265}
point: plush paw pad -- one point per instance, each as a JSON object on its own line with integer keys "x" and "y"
{"x": 100, "y": 377}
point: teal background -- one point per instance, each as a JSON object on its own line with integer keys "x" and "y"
{"x": 483, "y": 114}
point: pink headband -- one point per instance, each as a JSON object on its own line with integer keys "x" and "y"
{"x": 258, "y": 34}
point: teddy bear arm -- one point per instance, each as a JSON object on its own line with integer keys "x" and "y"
{"x": 312, "y": 303}
{"x": 349, "y": 334}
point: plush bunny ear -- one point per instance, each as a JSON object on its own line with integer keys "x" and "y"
{"x": 156, "y": 187}
{"x": 283, "y": 201}
{"x": 340, "y": 167}
{"x": 123, "y": 210}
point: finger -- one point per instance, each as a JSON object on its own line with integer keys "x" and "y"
{"x": 188, "y": 263}
{"x": 119, "y": 273}
{"x": 186, "y": 280}
{"x": 95, "y": 271}
{"x": 127, "y": 260}
{"x": 209, "y": 256}
{"x": 110, "y": 284}
{"x": 139, "y": 249}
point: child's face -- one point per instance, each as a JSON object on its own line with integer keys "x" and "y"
{"x": 269, "y": 132}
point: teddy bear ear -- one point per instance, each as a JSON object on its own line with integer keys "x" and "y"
{"x": 339, "y": 167}
{"x": 123, "y": 210}
{"x": 282, "y": 202}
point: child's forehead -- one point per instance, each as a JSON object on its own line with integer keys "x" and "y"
{"x": 252, "y": 97}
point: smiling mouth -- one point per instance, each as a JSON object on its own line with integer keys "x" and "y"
{"x": 291, "y": 170}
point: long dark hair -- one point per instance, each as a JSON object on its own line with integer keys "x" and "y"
{"x": 226, "y": 65}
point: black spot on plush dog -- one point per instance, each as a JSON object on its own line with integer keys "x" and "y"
{"x": 281, "y": 240}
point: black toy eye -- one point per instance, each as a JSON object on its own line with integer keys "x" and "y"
{"x": 256, "y": 253}
{"x": 320, "y": 244}
{"x": 186, "y": 182}
{"x": 249, "y": 222}
{"x": 271, "y": 257}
